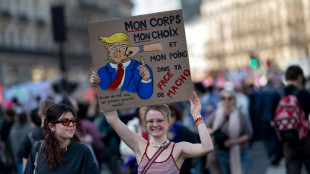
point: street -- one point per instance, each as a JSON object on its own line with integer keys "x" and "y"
{"x": 259, "y": 163}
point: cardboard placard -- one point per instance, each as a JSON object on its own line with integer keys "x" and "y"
{"x": 141, "y": 60}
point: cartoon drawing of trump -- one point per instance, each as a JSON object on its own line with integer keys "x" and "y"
{"x": 124, "y": 73}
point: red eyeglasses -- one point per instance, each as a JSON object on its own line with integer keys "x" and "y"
{"x": 66, "y": 122}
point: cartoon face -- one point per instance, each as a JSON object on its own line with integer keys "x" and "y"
{"x": 117, "y": 52}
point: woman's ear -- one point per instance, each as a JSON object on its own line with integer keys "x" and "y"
{"x": 51, "y": 127}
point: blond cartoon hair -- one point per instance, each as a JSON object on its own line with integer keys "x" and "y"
{"x": 114, "y": 38}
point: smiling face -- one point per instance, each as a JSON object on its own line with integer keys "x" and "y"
{"x": 62, "y": 132}
{"x": 157, "y": 123}
{"x": 117, "y": 52}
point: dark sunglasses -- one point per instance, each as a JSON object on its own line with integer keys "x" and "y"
{"x": 226, "y": 98}
{"x": 66, "y": 122}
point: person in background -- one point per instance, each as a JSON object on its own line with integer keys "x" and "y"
{"x": 60, "y": 152}
{"x": 6, "y": 126}
{"x": 37, "y": 134}
{"x": 178, "y": 133}
{"x": 231, "y": 130}
{"x": 243, "y": 101}
{"x": 268, "y": 99}
{"x": 34, "y": 118}
{"x": 297, "y": 154}
{"x": 111, "y": 143}
{"x": 17, "y": 106}
{"x": 209, "y": 100}
{"x": 90, "y": 133}
{"x": 18, "y": 132}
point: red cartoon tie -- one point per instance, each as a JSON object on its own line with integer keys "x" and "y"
{"x": 118, "y": 79}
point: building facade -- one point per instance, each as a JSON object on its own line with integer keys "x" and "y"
{"x": 275, "y": 31}
{"x": 28, "y": 51}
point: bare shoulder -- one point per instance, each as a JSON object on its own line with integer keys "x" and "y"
{"x": 180, "y": 146}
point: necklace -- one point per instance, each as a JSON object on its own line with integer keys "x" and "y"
{"x": 64, "y": 149}
{"x": 161, "y": 145}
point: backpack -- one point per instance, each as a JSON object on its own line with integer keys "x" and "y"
{"x": 290, "y": 120}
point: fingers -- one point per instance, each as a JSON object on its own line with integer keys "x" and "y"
{"x": 142, "y": 61}
{"x": 195, "y": 96}
{"x": 144, "y": 72}
{"x": 94, "y": 78}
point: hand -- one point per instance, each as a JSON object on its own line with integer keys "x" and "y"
{"x": 143, "y": 70}
{"x": 230, "y": 142}
{"x": 195, "y": 105}
{"x": 131, "y": 51}
{"x": 94, "y": 79}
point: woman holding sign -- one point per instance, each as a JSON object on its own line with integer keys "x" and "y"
{"x": 159, "y": 155}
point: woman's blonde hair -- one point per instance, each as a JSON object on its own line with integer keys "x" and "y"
{"x": 163, "y": 108}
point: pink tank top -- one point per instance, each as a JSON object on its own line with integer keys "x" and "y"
{"x": 167, "y": 166}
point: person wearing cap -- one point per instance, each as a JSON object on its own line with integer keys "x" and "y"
{"x": 231, "y": 130}
{"x": 122, "y": 72}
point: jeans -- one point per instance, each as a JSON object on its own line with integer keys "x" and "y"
{"x": 19, "y": 167}
{"x": 296, "y": 155}
{"x": 224, "y": 162}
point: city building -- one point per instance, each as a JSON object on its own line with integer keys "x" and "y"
{"x": 28, "y": 51}
{"x": 268, "y": 32}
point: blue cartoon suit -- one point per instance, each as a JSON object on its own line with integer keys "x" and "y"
{"x": 133, "y": 81}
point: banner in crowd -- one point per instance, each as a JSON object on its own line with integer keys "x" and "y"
{"x": 141, "y": 60}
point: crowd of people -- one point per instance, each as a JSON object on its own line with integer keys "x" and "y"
{"x": 210, "y": 133}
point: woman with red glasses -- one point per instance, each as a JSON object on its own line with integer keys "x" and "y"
{"x": 231, "y": 131}
{"x": 61, "y": 151}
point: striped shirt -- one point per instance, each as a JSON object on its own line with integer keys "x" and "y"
{"x": 167, "y": 166}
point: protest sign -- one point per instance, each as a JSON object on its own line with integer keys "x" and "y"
{"x": 141, "y": 60}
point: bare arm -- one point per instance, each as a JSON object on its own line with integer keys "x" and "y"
{"x": 135, "y": 142}
{"x": 153, "y": 47}
{"x": 131, "y": 51}
{"x": 24, "y": 163}
{"x": 190, "y": 150}
{"x": 239, "y": 140}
